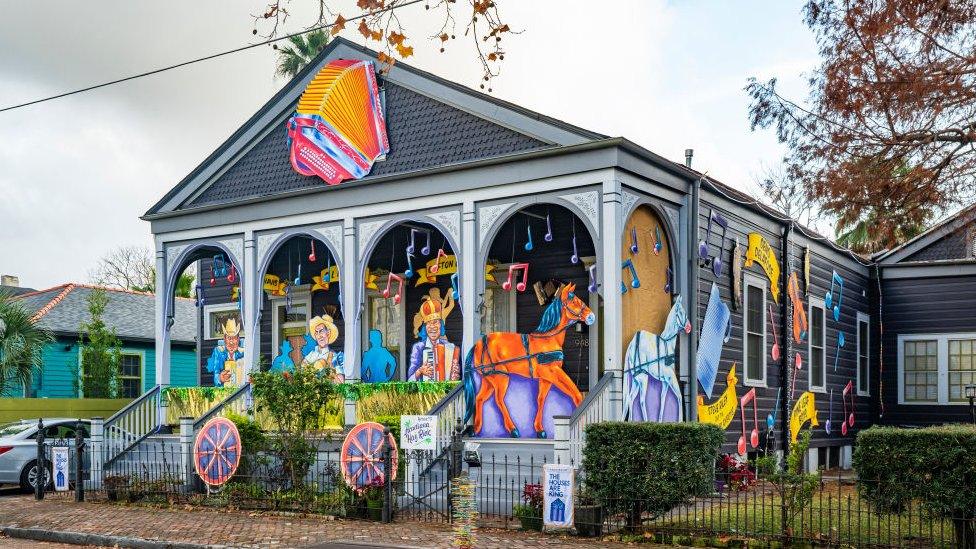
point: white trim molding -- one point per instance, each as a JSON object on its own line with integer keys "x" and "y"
{"x": 942, "y": 343}
{"x": 817, "y": 303}
{"x": 863, "y": 318}
{"x": 755, "y": 281}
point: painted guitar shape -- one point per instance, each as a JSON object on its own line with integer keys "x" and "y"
{"x": 799, "y": 311}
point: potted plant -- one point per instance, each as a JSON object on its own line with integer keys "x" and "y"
{"x": 529, "y": 512}
{"x": 588, "y": 516}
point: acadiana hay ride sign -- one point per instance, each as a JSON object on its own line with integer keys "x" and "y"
{"x": 557, "y": 495}
{"x": 418, "y": 432}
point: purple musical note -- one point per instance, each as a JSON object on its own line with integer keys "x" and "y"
{"x": 592, "y": 287}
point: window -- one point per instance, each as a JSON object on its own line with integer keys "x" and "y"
{"x": 498, "y": 314}
{"x": 289, "y": 315}
{"x": 863, "y": 356}
{"x": 754, "y": 331}
{"x": 962, "y": 367}
{"x": 920, "y": 370}
{"x": 817, "y": 351}
{"x": 130, "y": 376}
{"x": 214, "y": 317}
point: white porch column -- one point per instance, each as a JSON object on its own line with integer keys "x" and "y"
{"x": 611, "y": 276}
{"x": 351, "y": 285}
{"x": 163, "y": 300}
{"x": 252, "y": 284}
{"x": 470, "y": 272}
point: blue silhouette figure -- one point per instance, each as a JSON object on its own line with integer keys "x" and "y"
{"x": 379, "y": 364}
{"x": 283, "y": 362}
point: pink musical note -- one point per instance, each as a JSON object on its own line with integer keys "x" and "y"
{"x": 213, "y": 276}
{"x": 798, "y": 361}
{"x": 437, "y": 263}
{"x": 399, "y": 293}
{"x": 512, "y": 270}
{"x": 311, "y": 256}
{"x": 848, "y": 420}
{"x": 232, "y": 276}
{"x": 754, "y": 435}
{"x": 775, "y": 351}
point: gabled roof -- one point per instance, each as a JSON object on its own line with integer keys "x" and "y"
{"x": 15, "y": 290}
{"x": 431, "y": 122}
{"x": 930, "y": 237}
{"x": 63, "y": 308}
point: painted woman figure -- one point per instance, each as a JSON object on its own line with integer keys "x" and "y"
{"x": 226, "y": 362}
{"x": 434, "y": 358}
{"x": 325, "y": 332}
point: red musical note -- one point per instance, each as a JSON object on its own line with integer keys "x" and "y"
{"x": 437, "y": 262}
{"x": 512, "y": 269}
{"x": 213, "y": 276}
{"x": 798, "y": 360}
{"x": 399, "y": 293}
{"x": 848, "y": 420}
{"x": 233, "y": 274}
{"x": 754, "y": 435}
{"x": 774, "y": 353}
{"x": 311, "y": 256}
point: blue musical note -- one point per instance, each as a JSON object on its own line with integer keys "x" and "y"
{"x": 198, "y": 293}
{"x": 633, "y": 240}
{"x": 298, "y": 279}
{"x": 658, "y": 244}
{"x": 840, "y": 344}
{"x": 455, "y": 292}
{"x": 829, "y": 296}
{"x": 409, "y": 272}
{"x": 635, "y": 280}
{"x": 771, "y": 417}
{"x": 528, "y": 230}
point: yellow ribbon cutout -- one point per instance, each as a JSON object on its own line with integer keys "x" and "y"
{"x": 805, "y": 409}
{"x": 326, "y": 277}
{"x": 722, "y": 411}
{"x": 370, "y": 281}
{"x": 274, "y": 285}
{"x": 761, "y": 252}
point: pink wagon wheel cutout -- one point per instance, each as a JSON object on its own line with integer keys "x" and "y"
{"x": 362, "y": 456}
{"x": 217, "y": 451}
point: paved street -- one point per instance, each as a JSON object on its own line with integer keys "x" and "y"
{"x": 246, "y": 530}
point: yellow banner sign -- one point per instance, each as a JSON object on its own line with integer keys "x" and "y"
{"x": 327, "y": 277}
{"x": 370, "y": 281}
{"x": 445, "y": 265}
{"x": 722, "y": 411}
{"x": 804, "y": 410}
{"x": 761, "y": 252}
{"x": 274, "y": 285}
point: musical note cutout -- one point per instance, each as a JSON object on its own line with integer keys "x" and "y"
{"x": 716, "y": 260}
{"x": 775, "y": 352}
{"x": 574, "y": 259}
{"x": 455, "y": 292}
{"x": 436, "y": 267}
{"x": 548, "y": 237}
{"x": 528, "y": 231}
{"x": 771, "y": 417}
{"x": 399, "y": 292}
{"x": 841, "y": 341}
{"x": 829, "y": 296}
{"x": 848, "y": 419}
{"x": 198, "y": 294}
{"x": 233, "y": 274}
{"x": 658, "y": 243}
{"x": 798, "y": 362}
{"x": 830, "y": 414}
{"x": 287, "y": 298}
{"x": 668, "y": 280}
{"x": 635, "y": 280}
{"x": 411, "y": 248}
{"x": 592, "y": 287}
{"x": 213, "y": 275}
{"x": 799, "y": 311}
{"x": 311, "y": 255}
{"x": 633, "y": 240}
{"x": 219, "y": 266}
{"x": 754, "y": 435}
{"x": 408, "y": 274}
{"x": 298, "y": 279}
{"x": 512, "y": 270}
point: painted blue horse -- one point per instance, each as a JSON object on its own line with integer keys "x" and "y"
{"x": 652, "y": 356}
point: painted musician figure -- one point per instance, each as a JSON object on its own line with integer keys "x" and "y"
{"x": 226, "y": 362}
{"x": 434, "y": 358}
{"x": 322, "y": 358}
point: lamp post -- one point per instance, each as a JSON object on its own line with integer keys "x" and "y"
{"x": 971, "y": 395}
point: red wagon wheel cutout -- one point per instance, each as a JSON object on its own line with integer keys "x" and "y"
{"x": 362, "y": 456}
{"x": 217, "y": 451}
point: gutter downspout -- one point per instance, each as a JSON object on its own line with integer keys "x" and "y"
{"x": 785, "y": 368}
{"x": 692, "y": 267}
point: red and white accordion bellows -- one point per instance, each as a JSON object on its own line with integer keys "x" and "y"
{"x": 338, "y": 130}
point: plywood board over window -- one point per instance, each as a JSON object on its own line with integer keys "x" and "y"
{"x": 646, "y": 307}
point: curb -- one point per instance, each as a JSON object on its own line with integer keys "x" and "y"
{"x": 79, "y": 538}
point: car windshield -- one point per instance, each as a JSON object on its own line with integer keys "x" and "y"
{"x": 10, "y": 429}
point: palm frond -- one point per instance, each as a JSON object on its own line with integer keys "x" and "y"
{"x": 21, "y": 344}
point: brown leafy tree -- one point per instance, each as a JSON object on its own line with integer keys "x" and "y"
{"x": 378, "y": 21}
{"x": 886, "y": 140}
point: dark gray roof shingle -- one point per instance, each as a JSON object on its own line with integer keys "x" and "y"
{"x": 423, "y": 133}
{"x": 63, "y": 308}
{"x": 15, "y": 290}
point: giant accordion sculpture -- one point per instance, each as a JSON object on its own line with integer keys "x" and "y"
{"x": 338, "y": 129}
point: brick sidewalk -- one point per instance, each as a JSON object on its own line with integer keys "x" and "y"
{"x": 244, "y": 529}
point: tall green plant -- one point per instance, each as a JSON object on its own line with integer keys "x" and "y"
{"x": 21, "y": 344}
{"x": 101, "y": 351}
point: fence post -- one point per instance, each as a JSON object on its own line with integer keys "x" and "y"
{"x": 457, "y": 448}
{"x": 95, "y": 453}
{"x": 350, "y": 416}
{"x": 560, "y": 446}
{"x": 186, "y": 450}
{"x": 79, "y": 465}
{"x": 615, "y": 402}
{"x": 41, "y": 476}
{"x": 387, "y": 477}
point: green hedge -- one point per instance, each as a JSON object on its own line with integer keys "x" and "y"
{"x": 649, "y": 467}
{"x": 935, "y": 466}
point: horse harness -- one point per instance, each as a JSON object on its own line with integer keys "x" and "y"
{"x": 645, "y": 366}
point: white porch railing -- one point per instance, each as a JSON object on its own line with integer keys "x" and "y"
{"x": 599, "y": 405}
{"x": 239, "y": 402}
{"x": 131, "y": 425}
{"x": 449, "y": 411}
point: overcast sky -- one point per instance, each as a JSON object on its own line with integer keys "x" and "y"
{"x": 76, "y": 173}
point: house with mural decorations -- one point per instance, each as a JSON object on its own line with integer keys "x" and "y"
{"x": 386, "y": 225}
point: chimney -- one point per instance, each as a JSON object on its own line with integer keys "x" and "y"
{"x": 9, "y": 280}
{"x": 689, "y": 153}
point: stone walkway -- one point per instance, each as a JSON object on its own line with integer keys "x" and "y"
{"x": 244, "y": 529}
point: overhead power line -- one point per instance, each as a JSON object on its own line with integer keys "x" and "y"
{"x": 201, "y": 59}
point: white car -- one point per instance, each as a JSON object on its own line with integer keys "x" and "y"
{"x": 18, "y": 448}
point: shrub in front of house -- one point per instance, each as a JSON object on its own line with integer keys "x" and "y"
{"x": 934, "y": 467}
{"x": 648, "y": 468}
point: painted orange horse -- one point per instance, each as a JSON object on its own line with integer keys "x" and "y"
{"x": 537, "y": 355}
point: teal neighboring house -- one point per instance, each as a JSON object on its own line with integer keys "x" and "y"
{"x": 62, "y": 309}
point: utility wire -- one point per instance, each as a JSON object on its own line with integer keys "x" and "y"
{"x": 205, "y": 58}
